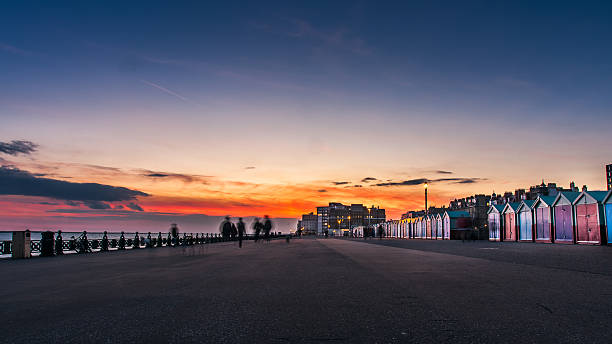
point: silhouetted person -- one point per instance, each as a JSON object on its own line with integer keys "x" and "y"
{"x": 159, "y": 240}
{"x": 84, "y": 243}
{"x": 257, "y": 227}
{"x": 148, "y": 241}
{"x": 175, "y": 235}
{"x": 59, "y": 244}
{"x": 267, "y": 227}
{"x": 234, "y": 232}
{"x": 241, "y": 231}
{"x": 226, "y": 228}
{"x": 326, "y": 232}
{"x": 380, "y": 232}
{"x": 136, "y": 241}
{"x": 104, "y": 244}
{"x": 122, "y": 241}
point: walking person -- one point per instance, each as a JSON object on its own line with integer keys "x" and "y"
{"x": 234, "y": 232}
{"x": 267, "y": 227}
{"x": 257, "y": 226}
{"x": 226, "y": 228}
{"x": 241, "y": 231}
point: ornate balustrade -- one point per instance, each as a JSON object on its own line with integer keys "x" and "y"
{"x": 129, "y": 241}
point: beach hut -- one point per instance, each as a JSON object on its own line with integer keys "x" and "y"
{"x": 563, "y": 215}
{"x": 457, "y": 222}
{"x": 510, "y": 228}
{"x": 439, "y": 227}
{"x": 434, "y": 226}
{"x": 607, "y": 202}
{"x": 445, "y": 227}
{"x": 423, "y": 228}
{"x": 411, "y": 227}
{"x": 495, "y": 221}
{"x": 525, "y": 221}
{"x": 589, "y": 211}
{"x": 542, "y": 214}
{"x": 428, "y": 226}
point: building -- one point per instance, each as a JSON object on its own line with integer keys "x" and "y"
{"x": 607, "y": 203}
{"x": 590, "y": 220}
{"x": 564, "y": 217}
{"x": 341, "y": 219}
{"x": 609, "y": 176}
{"x": 543, "y": 218}
{"x": 510, "y": 216}
{"x": 495, "y": 222}
{"x": 309, "y": 223}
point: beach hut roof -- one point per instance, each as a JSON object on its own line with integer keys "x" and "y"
{"x": 548, "y": 200}
{"x": 525, "y": 203}
{"x": 608, "y": 198}
{"x": 597, "y": 196}
{"x": 455, "y": 214}
{"x": 511, "y": 206}
{"x": 570, "y": 196}
{"x": 498, "y": 207}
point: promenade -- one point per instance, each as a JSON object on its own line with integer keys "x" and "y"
{"x": 313, "y": 291}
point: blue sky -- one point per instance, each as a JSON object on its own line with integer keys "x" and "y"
{"x": 507, "y": 93}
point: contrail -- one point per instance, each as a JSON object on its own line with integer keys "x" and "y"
{"x": 165, "y": 90}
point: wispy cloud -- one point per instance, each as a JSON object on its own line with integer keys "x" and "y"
{"x": 340, "y": 38}
{"x": 163, "y": 89}
{"x": 419, "y": 181}
{"x": 368, "y": 179}
{"x": 16, "y": 147}
{"x": 341, "y": 183}
{"x": 14, "y": 50}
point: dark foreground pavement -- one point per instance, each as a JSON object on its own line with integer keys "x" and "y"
{"x": 313, "y": 291}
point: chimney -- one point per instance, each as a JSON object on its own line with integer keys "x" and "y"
{"x": 584, "y": 188}
{"x": 572, "y": 186}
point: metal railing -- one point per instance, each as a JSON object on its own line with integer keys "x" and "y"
{"x": 82, "y": 244}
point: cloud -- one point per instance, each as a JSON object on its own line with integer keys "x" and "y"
{"x": 16, "y": 147}
{"x": 14, "y": 50}
{"x": 443, "y": 172}
{"x": 405, "y": 182}
{"x": 249, "y": 168}
{"x": 357, "y": 186}
{"x": 341, "y": 183}
{"x": 134, "y": 206}
{"x": 322, "y": 190}
{"x": 420, "y": 181}
{"x": 338, "y": 38}
{"x": 163, "y": 89}
{"x": 368, "y": 179}
{"x": 14, "y": 181}
{"x": 187, "y": 178}
{"x": 72, "y": 203}
{"x": 97, "y": 205}
{"x": 48, "y": 203}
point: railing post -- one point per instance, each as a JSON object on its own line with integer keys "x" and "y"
{"x": 21, "y": 244}
{"x": 59, "y": 244}
{"x": 46, "y": 244}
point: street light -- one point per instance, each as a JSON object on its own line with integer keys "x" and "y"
{"x": 426, "y": 210}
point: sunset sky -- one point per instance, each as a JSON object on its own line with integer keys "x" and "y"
{"x": 187, "y": 111}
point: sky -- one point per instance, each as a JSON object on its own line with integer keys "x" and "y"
{"x": 135, "y": 115}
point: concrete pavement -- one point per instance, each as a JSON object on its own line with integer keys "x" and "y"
{"x": 312, "y": 291}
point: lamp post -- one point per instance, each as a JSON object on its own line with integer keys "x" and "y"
{"x": 350, "y": 228}
{"x": 426, "y": 209}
